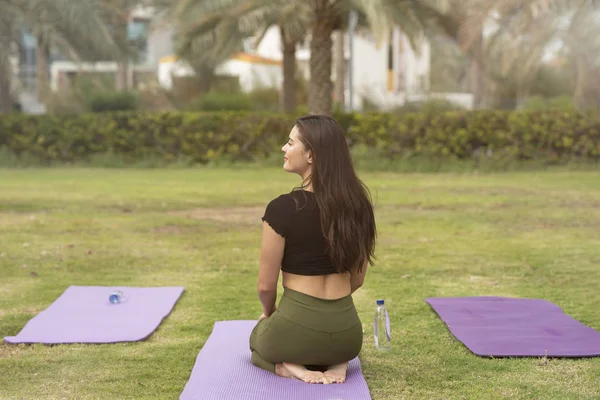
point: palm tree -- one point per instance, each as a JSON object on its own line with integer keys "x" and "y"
{"x": 464, "y": 20}
{"x": 516, "y": 57}
{"x": 582, "y": 40}
{"x": 449, "y": 65}
{"x": 75, "y": 28}
{"x": 116, "y": 14}
{"x": 318, "y": 18}
{"x": 217, "y": 31}
{"x": 526, "y": 33}
{"x": 7, "y": 32}
{"x": 292, "y": 21}
{"x": 5, "y": 68}
{"x": 329, "y": 16}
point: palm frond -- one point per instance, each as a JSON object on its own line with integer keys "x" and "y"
{"x": 383, "y": 15}
{"x": 77, "y": 23}
{"x": 211, "y": 30}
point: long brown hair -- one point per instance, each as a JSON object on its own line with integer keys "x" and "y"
{"x": 344, "y": 201}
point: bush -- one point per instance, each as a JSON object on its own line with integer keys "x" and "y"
{"x": 265, "y": 99}
{"x": 539, "y": 103}
{"x": 430, "y": 106}
{"x": 65, "y": 102}
{"x": 215, "y": 101}
{"x": 260, "y": 99}
{"x": 479, "y": 137}
{"x": 199, "y": 137}
{"x": 112, "y": 101}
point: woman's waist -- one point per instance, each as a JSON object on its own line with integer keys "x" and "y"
{"x": 326, "y": 315}
{"x": 327, "y": 287}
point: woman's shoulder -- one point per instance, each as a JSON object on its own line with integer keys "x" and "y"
{"x": 289, "y": 201}
{"x": 278, "y": 212}
{"x": 282, "y": 198}
{"x": 281, "y": 202}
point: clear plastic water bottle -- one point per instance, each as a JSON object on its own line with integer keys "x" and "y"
{"x": 116, "y": 297}
{"x": 381, "y": 327}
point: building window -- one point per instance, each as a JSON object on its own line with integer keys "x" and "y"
{"x": 137, "y": 34}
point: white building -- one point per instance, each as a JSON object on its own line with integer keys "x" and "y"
{"x": 252, "y": 70}
{"x": 386, "y": 74}
{"x": 139, "y": 28}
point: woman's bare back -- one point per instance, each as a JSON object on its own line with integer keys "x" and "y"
{"x": 330, "y": 287}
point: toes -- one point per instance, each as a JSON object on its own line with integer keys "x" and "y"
{"x": 316, "y": 378}
{"x": 335, "y": 379}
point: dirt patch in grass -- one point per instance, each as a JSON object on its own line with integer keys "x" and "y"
{"x": 11, "y": 350}
{"x": 33, "y": 311}
{"x": 15, "y": 218}
{"x": 558, "y": 198}
{"x": 7, "y": 206}
{"x": 496, "y": 191}
{"x": 527, "y": 223}
{"x": 580, "y": 203}
{"x": 184, "y": 229}
{"x": 482, "y": 280}
{"x": 168, "y": 229}
{"x": 238, "y": 215}
{"x": 466, "y": 207}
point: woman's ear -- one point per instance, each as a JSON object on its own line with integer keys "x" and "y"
{"x": 309, "y": 157}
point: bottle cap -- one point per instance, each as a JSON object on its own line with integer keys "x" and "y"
{"x": 380, "y": 302}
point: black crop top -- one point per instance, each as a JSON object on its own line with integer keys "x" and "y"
{"x": 305, "y": 251}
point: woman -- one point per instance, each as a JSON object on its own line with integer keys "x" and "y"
{"x": 321, "y": 236}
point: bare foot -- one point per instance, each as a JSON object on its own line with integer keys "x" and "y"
{"x": 337, "y": 373}
{"x": 300, "y": 372}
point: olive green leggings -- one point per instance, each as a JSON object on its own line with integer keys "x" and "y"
{"x": 308, "y": 331}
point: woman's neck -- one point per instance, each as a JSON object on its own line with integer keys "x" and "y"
{"x": 307, "y": 184}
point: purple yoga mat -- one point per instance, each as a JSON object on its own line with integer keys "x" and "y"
{"x": 83, "y": 314}
{"x": 224, "y": 371}
{"x": 507, "y": 327}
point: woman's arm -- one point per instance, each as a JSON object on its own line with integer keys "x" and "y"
{"x": 271, "y": 255}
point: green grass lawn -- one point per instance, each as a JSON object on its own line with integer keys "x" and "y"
{"x": 518, "y": 234}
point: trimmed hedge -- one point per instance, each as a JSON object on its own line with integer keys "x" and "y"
{"x": 113, "y": 101}
{"x": 202, "y": 137}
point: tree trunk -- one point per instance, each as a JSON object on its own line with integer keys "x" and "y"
{"x": 5, "y": 66}
{"x": 122, "y": 76}
{"x": 478, "y": 71}
{"x": 205, "y": 77}
{"x": 580, "y": 82}
{"x": 321, "y": 88}
{"x": 42, "y": 53}
{"x": 340, "y": 70}
{"x": 522, "y": 94}
{"x": 121, "y": 20}
{"x": 5, "y": 98}
{"x": 289, "y": 73}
